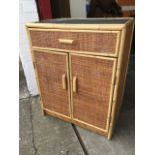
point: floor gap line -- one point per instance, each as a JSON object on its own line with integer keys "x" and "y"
{"x": 80, "y": 139}
{"x": 31, "y": 117}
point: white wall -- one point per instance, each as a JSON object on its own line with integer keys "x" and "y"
{"x": 78, "y": 8}
{"x": 27, "y": 13}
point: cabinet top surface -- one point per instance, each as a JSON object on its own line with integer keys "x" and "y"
{"x": 86, "y": 21}
{"x": 82, "y": 23}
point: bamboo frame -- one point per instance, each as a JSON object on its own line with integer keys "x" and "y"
{"x": 36, "y": 74}
{"x": 58, "y": 115}
{"x": 114, "y": 113}
{"x": 76, "y": 52}
{"x": 118, "y": 58}
{"x": 74, "y": 30}
{"x": 117, "y": 84}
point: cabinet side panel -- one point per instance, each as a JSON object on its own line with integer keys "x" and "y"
{"x": 124, "y": 67}
{"x": 121, "y": 74}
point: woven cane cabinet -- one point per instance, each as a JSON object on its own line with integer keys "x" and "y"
{"x": 80, "y": 67}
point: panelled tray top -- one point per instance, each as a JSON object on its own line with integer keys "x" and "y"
{"x": 80, "y": 67}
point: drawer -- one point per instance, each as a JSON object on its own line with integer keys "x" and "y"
{"x": 54, "y": 39}
{"x": 95, "y": 42}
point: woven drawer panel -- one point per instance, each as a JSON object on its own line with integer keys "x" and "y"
{"x": 91, "y": 102}
{"x": 84, "y": 41}
{"x": 50, "y": 68}
{"x": 50, "y": 39}
{"x": 98, "y": 42}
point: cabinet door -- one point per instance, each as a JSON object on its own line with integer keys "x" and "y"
{"x": 92, "y": 80}
{"x": 52, "y": 71}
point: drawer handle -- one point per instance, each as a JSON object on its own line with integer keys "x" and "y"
{"x": 64, "y": 85}
{"x": 66, "y": 41}
{"x": 74, "y": 84}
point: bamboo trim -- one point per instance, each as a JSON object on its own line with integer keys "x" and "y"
{"x": 35, "y": 70}
{"x": 73, "y": 30}
{"x": 117, "y": 44}
{"x": 113, "y": 113}
{"x": 128, "y": 56}
{"x": 54, "y": 113}
{"x": 71, "y": 84}
{"x": 89, "y": 128}
{"x": 77, "y": 52}
{"x": 68, "y": 81}
{"x": 30, "y": 43}
{"x": 115, "y": 79}
{"x": 91, "y": 56}
{"x": 111, "y": 89}
{"x": 90, "y": 125}
{"x": 75, "y": 26}
{"x": 117, "y": 83}
{"x": 111, "y": 93}
{"x": 49, "y": 51}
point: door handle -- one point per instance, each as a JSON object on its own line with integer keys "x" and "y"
{"x": 64, "y": 85}
{"x": 74, "y": 84}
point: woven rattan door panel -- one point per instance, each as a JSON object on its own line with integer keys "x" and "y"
{"x": 51, "y": 68}
{"x": 92, "y": 84}
{"x": 54, "y": 39}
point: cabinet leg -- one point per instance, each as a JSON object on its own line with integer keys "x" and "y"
{"x": 43, "y": 112}
{"x": 110, "y": 133}
{"x": 109, "y": 136}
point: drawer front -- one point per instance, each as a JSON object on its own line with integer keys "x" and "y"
{"x": 54, "y": 39}
{"x": 83, "y": 41}
{"x": 99, "y": 42}
{"x": 92, "y": 87}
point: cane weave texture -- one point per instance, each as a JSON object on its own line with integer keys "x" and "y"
{"x": 84, "y": 41}
{"x": 50, "y": 68}
{"x": 50, "y": 39}
{"x": 98, "y": 42}
{"x": 91, "y": 102}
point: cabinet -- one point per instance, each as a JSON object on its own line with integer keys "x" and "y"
{"x": 80, "y": 67}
